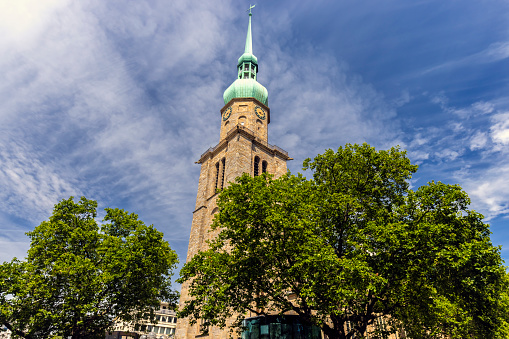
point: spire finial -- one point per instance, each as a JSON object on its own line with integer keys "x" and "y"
{"x": 250, "y": 8}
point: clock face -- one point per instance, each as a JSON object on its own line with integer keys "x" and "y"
{"x": 260, "y": 113}
{"x": 226, "y": 114}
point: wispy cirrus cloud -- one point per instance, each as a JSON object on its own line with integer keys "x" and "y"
{"x": 83, "y": 111}
{"x": 117, "y": 101}
{"x": 493, "y": 53}
{"x": 488, "y": 188}
{"x": 318, "y": 104}
{"x": 468, "y": 147}
{"x": 499, "y": 131}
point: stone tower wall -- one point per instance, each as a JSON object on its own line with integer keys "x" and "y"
{"x": 238, "y": 146}
{"x": 243, "y": 113}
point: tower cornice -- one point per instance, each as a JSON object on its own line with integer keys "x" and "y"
{"x": 248, "y": 134}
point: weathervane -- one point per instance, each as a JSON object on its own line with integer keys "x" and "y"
{"x": 250, "y": 8}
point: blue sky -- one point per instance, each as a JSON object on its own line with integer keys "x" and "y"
{"x": 116, "y": 100}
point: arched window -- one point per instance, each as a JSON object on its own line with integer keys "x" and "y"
{"x": 223, "y": 163}
{"x": 259, "y": 124}
{"x": 220, "y": 166}
{"x": 264, "y": 166}
{"x": 217, "y": 176}
{"x": 256, "y": 167}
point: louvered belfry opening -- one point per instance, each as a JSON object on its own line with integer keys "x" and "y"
{"x": 217, "y": 175}
{"x": 223, "y": 163}
{"x": 264, "y": 167}
{"x": 256, "y": 168}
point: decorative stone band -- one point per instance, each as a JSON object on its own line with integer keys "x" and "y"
{"x": 281, "y": 153}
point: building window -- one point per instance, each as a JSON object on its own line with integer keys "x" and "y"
{"x": 203, "y": 329}
{"x": 264, "y": 167}
{"x": 217, "y": 176}
{"x": 256, "y": 167}
{"x": 381, "y": 326}
{"x": 220, "y": 172}
{"x": 223, "y": 163}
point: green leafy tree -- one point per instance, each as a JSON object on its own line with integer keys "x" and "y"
{"x": 349, "y": 248}
{"x": 78, "y": 276}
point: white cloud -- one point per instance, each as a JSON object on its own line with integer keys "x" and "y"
{"x": 440, "y": 99}
{"x": 494, "y": 52}
{"x": 318, "y": 104}
{"x": 478, "y": 141}
{"x": 13, "y": 241}
{"x": 417, "y": 156}
{"x": 10, "y": 249}
{"x": 419, "y": 140}
{"x": 30, "y": 187}
{"x": 488, "y": 190}
{"x": 117, "y": 101}
{"x": 112, "y": 103}
{"x": 500, "y": 129}
{"x": 403, "y": 99}
{"x": 448, "y": 154}
{"x": 483, "y": 107}
{"x": 23, "y": 20}
{"x": 477, "y": 129}
{"x": 476, "y": 109}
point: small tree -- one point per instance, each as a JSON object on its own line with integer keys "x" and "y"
{"x": 78, "y": 277}
{"x": 350, "y": 246}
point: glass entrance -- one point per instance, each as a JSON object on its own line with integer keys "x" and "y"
{"x": 279, "y": 327}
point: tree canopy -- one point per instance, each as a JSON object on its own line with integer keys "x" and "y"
{"x": 350, "y": 249}
{"x": 79, "y": 276}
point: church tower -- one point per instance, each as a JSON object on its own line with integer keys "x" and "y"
{"x": 243, "y": 148}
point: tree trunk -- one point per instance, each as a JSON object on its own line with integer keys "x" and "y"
{"x": 337, "y": 331}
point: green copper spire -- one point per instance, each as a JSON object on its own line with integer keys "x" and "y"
{"x": 246, "y": 85}
{"x": 249, "y": 39}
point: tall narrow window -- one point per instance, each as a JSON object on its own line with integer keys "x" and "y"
{"x": 256, "y": 166}
{"x": 264, "y": 167}
{"x": 217, "y": 176}
{"x": 223, "y": 162}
